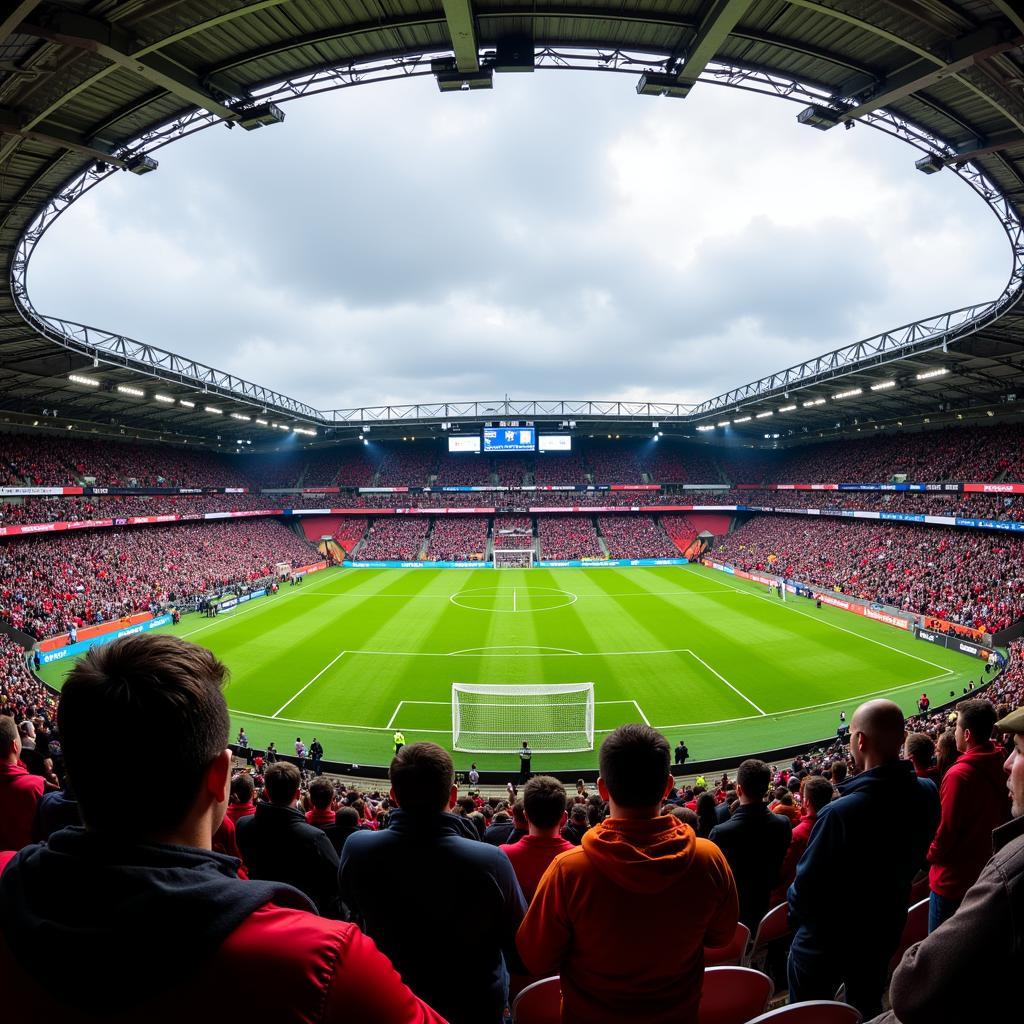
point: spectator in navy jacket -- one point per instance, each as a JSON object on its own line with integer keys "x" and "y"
{"x": 405, "y": 885}
{"x": 848, "y": 903}
{"x": 754, "y": 841}
{"x": 279, "y": 845}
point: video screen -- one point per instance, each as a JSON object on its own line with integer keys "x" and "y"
{"x": 464, "y": 444}
{"x": 510, "y": 439}
{"x": 554, "y": 442}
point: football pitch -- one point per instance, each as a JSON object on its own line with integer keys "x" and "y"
{"x": 351, "y": 655}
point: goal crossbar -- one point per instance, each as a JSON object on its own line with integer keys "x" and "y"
{"x": 560, "y": 714}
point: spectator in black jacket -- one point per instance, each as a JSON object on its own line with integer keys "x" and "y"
{"x": 754, "y": 841}
{"x": 279, "y": 845}
{"x": 399, "y": 882}
{"x": 577, "y": 824}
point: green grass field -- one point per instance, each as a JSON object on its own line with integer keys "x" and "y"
{"x": 353, "y": 654}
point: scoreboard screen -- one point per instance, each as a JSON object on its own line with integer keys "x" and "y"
{"x": 554, "y": 443}
{"x": 510, "y": 439}
{"x": 464, "y": 444}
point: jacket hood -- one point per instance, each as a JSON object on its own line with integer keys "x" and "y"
{"x": 986, "y": 763}
{"x": 643, "y": 855}
{"x": 104, "y": 923}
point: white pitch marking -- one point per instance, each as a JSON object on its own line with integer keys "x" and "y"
{"x": 513, "y": 599}
{"x": 789, "y": 605}
{"x": 739, "y": 693}
{"x": 290, "y": 700}
{"x": 512, "y": 647}
{"x": 394, "y": 714}
{"x": 640, "y": 711}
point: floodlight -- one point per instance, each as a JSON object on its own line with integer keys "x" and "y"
{"x": 260, "y": 116}
{"x": 930, "y": 164}
{"x": 655, "y": 84}
{"x": 454, "y": 80}
{"x": 821, "y": 118}
{"x": 141, "y": 164}
{"x": 76, "y": 378}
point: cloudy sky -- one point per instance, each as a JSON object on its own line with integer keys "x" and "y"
{"x": 558, "y": 237}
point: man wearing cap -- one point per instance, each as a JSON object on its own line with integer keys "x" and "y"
{"x": 964, "y": 969}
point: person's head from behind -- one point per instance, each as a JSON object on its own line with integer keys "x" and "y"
{"x": 544, "y": 804}
{"x": 974, "y": 721}
{"x": 635, "y": 778}
{"x": 818, "y": 792}
{"x": 752, "y": 781}
{"x": 242, "y": 789}
{"x": 281, "y": 784}
{"x": 10, "y": 740}
{"x": 920, "y": 750}
{"x": 876, "y": 734}
{"x": 579, "y": 816}
{"x": 163, "y": 691}
{"x": 347, "y": 818}
{"x": 321, "y": 793}
{"x": 519, "y": 816}
{"x": 839, "y": 770}
{"x": 423, "y": 779}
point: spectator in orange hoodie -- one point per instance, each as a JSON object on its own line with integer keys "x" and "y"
{"x": 625, "y": 916}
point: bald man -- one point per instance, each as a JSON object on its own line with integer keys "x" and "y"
{"x": 848, "y": 903}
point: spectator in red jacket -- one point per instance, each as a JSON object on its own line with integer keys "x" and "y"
{"x": 19, "y": 791}
{"x": 818, "y": 792}
{"x": 974, "y": 804}
{"x": 544, "y": 806}
{"x": 240, "y": 802}
{"x": 134, "y": 917}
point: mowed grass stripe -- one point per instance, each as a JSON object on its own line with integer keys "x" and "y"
{"x": 276, "y": 645}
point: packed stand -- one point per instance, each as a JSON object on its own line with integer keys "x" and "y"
{"x": 457, "y": 538}
{"x": 394, "y": 537}
{"x": 568, "y": 537}
{"x": 968, "y": 576}
{"x": 49, "y": 583}
{"x": 463, "y": 468}
{"x": 616, "y": 462}
{"x": 669, "y": 463}
{"x": 560, "y": 469}
{"x": 404, "y": 465}
{"x": 635, "y": 537}
{"x": 514, "y": 470}
{"x": 513, "y": 532}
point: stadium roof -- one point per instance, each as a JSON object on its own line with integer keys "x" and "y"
{"x": 91, "y": 89}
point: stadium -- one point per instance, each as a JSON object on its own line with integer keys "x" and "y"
{"x": 740, "y": 574}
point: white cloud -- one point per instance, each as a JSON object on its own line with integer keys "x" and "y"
{"x": 559, "y": 237}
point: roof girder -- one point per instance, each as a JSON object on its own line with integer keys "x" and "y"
{"x": 459, "y": 16}
{"x": 718, "y": 21}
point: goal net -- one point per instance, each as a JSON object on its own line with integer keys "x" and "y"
{"x": 513, "y": 558}
{"x": 553, "y": 718}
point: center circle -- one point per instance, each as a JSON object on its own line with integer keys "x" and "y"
{"x": 513, "y": 599}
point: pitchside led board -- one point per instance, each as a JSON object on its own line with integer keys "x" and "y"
{"x": 510, "y": 439}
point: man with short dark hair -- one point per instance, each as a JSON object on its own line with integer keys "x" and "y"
{"x": 240, "y": 800}
{"x": 134, "y": 918}
{"x": 920, "y": 748}
{"x": 279, "y": 845}
{"x": 754, "y": 841}
{"x": 624, "y": 917}
{"x": 544, "y": 807}
{"x": 682, "y": 753}
{"x": 400, "y": 882}
{"x": 974, "y": 804}
{"x": 863, "y": 854}
{"x": 316, "y": 755}
{"x": 577, "y": 825}
{"x": 818, "y": 793}
{"x": 19, "y": 790}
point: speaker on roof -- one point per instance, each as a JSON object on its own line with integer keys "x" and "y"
{"x": 514, "y": 54}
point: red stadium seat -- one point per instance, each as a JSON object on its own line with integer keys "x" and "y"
{"x": 731, "y": 954}
{"x": 774, "y": 926}
{"x": 817, "y": 1011}
{"x": 732, "y": 995}
{"x": 539, "y": 1003}
{"x": 914, "y": 930}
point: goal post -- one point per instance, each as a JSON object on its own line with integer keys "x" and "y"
{"x": 554, "y": 718}
{"x": 513, "y": 558}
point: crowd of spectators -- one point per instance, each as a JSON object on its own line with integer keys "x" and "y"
{"x": 635, "y": 537}
{"x": 49, "y": 583}
{"x": 463, "y": 469}
{"x": 406, "y": 465}
{"x": 617, "y": 462}
{"x": 458, "y": 538}
{"x": 394, "y": 538}
{"x": 568, "y": 537}
{"x": 967, "y": 576}
{"x": 512, "y": 531}
{"x": 560, "y": 469}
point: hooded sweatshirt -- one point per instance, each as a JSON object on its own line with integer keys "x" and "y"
{"x": 624, "y": 919}
{"x": 122, "y": 922}
{"x": 974, "y": 803}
